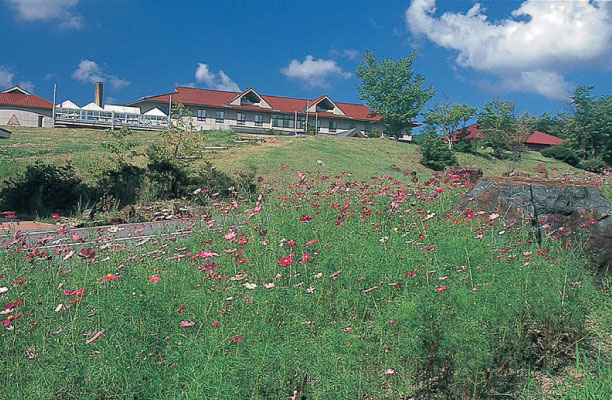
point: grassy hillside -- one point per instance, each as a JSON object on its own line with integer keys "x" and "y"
{"x": 364, "y": 157}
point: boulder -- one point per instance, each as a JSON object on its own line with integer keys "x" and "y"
{"x": 562, "y": 209}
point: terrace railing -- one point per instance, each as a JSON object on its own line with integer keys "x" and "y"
{"x": 108, "y": 119}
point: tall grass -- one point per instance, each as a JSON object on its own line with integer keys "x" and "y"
{"x": 328, "y": 288}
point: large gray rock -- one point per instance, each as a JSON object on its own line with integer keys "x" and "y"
{"x": 564, "y": 209}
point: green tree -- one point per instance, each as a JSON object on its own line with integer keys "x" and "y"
{"x": 391, "y": 89}
{"x": 435, "y": 154}
{"x": 447, "y": 117}
{"x": 178, "y": 141}
{"x": 498, "y": 125}
{"x": 588, "y": 127}
{"x": 120, "y": 146}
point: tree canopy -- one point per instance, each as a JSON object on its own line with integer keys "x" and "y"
{"x": 391, "y": 89}
{"x": 447, "y": 117}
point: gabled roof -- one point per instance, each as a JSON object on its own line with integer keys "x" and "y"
{"x": 68, "y": 104}
{"x": 222, "y": 99}
{"x": 536, "y": 137}
{"x": 237, "y": 100}
{"x": 312, "y": 107}
{"x": 16, "y": 96}
{"x": 92, "y": 107}
{"x": 156, "y": 112}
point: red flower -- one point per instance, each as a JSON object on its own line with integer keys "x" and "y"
{"x": 411, "y": 273}
{"x": 311, "y": 242}
{"x": 7, "y": 321}
{"x": 181, "y": 307}
{"x": 87, "y": 254}
{"x": 305, "y": 218}
{"x": 215, "y": 323}
{"x": 240, "y": 261}
{"x": 235, "y": 339}
{"x": 544, "y": 251}
{"x": 440, "y": 288}
{"x": 54, "y": 215}
{"x": 285, "y": 260}
{"x": 154, "y": 278}
{"x": 77, "y": 292}
{"x": 305, "y": 257}
{"x": 12, "y": 305}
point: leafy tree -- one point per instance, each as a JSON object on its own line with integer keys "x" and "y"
{"x": 391, "y": 89}
{"x": 119, "y": 145}
{"x": 589, "y": 125}
{"x": 178, "y": 142}
{"x": 447, "y": 117}
{"x": 524, "y": 128}
{"x": 435, "y": 154}
{"x": 498, "y": 125}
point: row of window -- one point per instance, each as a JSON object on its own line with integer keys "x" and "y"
{"x": 278, "y": 120}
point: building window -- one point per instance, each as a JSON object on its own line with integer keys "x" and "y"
{"x": 351, "y": 125}
{"x": 285, "y": 121}
{"x": 368, "y": 127}
{"x": 219, "y": 117}
{"x": 301, "y": 121}
{"x": 241, "y": 118}
{"x": 332, "y": 126}
{"x": 201, "y": 115}
{"x": 258, "y": 120}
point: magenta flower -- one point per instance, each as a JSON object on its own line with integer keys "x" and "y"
{"x": 154, "y": 278}
{"x": 285, "y": 260}
{"x": 109, "y": 277}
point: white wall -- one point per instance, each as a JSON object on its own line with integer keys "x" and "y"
{"x": 26, "y": 117}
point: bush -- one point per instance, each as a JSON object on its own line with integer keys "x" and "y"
{"x": 562, "y": 153}
{"x": 465, "y": 146}
{"x": 167, "y": 180}
{"x": 123, "y": 183}
{"x": 594, "y": 164}
{"x": 435, "y": 153}
{"x": 44, "y": 188}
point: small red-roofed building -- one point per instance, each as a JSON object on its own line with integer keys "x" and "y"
{"x": 251, "y": 112}
{"x": 536, "y": 141}
{"x": 18, "y": 107}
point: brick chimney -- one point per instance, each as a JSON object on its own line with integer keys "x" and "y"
{"x": 98, "y": 93}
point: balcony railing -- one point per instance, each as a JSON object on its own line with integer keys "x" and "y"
{"x": 111, "y": 119}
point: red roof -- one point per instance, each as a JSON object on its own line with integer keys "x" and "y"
{"x": 219, "y": 98}
{"x": 21, "y": 98}
{"x": 536, "y": 137}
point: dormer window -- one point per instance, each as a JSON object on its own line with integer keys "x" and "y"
{"x": 325, "y": 106}
{"x": 250, "y": 99}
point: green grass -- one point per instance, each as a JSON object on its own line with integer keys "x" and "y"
{"x": 388, "y": 294}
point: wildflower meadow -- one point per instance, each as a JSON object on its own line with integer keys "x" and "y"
{"x": 323, "y": 287}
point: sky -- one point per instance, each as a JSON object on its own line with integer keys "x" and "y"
{"x": 532, "y": 52}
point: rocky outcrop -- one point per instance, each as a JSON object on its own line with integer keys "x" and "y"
{"x": 560, "y": 208}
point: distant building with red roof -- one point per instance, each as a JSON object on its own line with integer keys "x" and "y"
{"x": 536, "y": 141}
{"x": 248, "y": 111}
{"x": 18, "y": 107}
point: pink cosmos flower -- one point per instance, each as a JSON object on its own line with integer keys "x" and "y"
{"x": 305, "y": 257}
{"x": 7, "y": 321}
{"x": 109, "y": 277}
{"x": 347, "y": 329}
{"x": 440, "y": 288}
{"x": 54, "y": 215}
{"x": 285, "y": 260}
{"x": 215, "y": 323}
{"x": 181, "y": 307}
{"x": 311, "y": 242}
{"x": 95, "y": 336}
{"x": 154, "y": 278}
{"x": 269, "y": 285}
{"x": 241, "y": 260}
{"x": 87, "y": 254}
{"x": 186, "y": 324}
{"x": 235, "y": 339}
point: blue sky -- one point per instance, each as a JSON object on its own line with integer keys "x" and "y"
{"x": 532, "y": 52}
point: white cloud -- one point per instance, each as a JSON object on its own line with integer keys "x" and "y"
{"x": 218, "y": 81}
{"x": 33, "y": 10}
{"x": 90, "y": 72}
{"x": 530, "y": 49}
{"x": 314, "y": 73}
{"x": 351, "y": 54}
{"x": 6, "y": 78}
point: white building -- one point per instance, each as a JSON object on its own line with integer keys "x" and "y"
{"x": 18, "y": 107}
{"x": 250, "y": 112}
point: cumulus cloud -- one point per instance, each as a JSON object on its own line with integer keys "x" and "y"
{"x": 314, "y": 73}
{"x": 530, "y": 49}
{"x": 90, "y": 72}
{"x": 218, "y": 81}
{"x": 33, "y": 10}
{"x": 6, "y": 78}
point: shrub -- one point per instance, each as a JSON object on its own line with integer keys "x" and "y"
{"x": 44, "y": 188}
{"x": 594, "y": 164}
{"x": 561, "y": 153}
{"x": 465, "y": 146}
{"x": 373, "y": 133}
{"x": 123, "y": 183}
{"x": 167, "y": 180}
{"x": 435, "y": 153}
